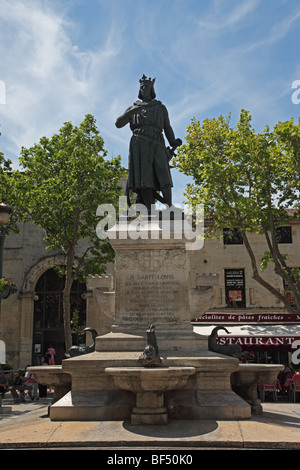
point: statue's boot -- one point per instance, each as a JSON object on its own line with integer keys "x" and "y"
{"x": 167, "y": 195}
{"x": 147, "y": 198}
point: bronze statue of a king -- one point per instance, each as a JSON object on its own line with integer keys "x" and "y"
{"x": 148, "y": 163}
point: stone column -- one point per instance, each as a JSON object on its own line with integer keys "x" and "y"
{"x": 26, "y": 328}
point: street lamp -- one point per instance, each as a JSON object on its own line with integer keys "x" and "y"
{"x": 5, "y": 222}
{"x": 5, "y": 212}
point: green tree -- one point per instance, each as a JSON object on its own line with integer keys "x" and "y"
{"x": 5, "y": 181}
{"x": 62, "y": 182}
{"x": 247, "y": 181}
{"x": 5, "y": 184}
{"x": 5, "y": 168}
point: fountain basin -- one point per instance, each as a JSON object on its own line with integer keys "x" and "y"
{"x": 52, "y": 376}
{"x": 250, "y": 376}
{"x": 141, "y": 379}
{"x": 149, "y": 385}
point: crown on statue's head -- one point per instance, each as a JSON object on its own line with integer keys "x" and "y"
{"x": 144, "y": 79}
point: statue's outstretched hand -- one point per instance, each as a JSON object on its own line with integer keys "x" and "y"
{"x": 177, "y": 143}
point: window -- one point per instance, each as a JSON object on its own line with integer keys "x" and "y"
{"x": 232, "y": 236}
{"x": 284, "y": 235}
{"x": 235, "y": 288}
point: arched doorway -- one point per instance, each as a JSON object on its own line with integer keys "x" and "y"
{"x": 48, "y": 314}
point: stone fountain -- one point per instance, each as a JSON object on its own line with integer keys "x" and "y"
{"x": 189, "y": 382}
{"x": 149, "y": 386}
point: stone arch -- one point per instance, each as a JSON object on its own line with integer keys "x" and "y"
{"x": 38, "y": 269}
{"x": 27, "y": 296}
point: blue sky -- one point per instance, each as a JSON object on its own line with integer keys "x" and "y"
{"x": 63, "y": 59}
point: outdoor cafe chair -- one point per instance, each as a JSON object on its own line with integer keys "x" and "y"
{"x": 294, "y": 387}
{"x": 273, "y": 388}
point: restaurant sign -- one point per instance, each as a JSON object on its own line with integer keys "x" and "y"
{"x": 286, "y": 341}
{"x": 212, "y": 317}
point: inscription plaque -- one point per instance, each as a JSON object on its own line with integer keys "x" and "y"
{"x": 152, "y": 297}
{"x": 152, "y": 287}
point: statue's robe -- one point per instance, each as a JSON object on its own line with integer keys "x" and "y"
{"x": 148, "y": 162}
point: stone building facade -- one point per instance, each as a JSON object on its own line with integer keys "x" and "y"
{"x": 232, "y": 263}
{"x": 26, "y": 334}
{"x": 24, "y": 330}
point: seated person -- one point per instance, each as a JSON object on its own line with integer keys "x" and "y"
{"x": 19, "y": 384}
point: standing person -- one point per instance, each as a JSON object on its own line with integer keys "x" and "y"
{"x": 30, "y": 384}
{"x": 43, "y": 388}
{"x": 52, "y": 354}
{"x": 148, "y": 161}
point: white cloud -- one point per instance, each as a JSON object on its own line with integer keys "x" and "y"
{"x": 49, "y": 80}
{"x": 222, "y": 16}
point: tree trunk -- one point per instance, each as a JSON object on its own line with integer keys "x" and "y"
{"x": 261, "y": 281}
{"x": 281, "y": 268}
{"x": 67, "y": 303}
{"x": 68, "y": 286}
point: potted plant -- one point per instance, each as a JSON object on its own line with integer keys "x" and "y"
{"x": 7, "y": 287}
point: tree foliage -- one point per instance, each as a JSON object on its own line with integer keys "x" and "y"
{"x": 5, "y": 169}
{"x": 249, "y": 181}
{"x": 62, "y": 181}
{"x": 5, "y": 185}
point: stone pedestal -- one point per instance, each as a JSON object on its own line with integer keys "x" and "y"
{"x": 151, "y": 287}
{"x": 4, "y": 409}
{"x": 149, "y": 409}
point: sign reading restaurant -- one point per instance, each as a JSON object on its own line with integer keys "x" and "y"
{"x": 252, "y": 340}
{"x": 258, "y": 340}
{"x": 212, "y": 317}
